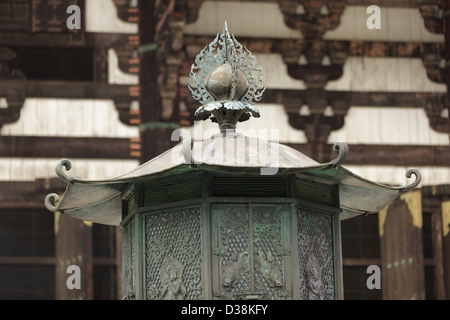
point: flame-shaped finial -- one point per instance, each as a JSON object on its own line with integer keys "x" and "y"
{"x": 226, "y": 79}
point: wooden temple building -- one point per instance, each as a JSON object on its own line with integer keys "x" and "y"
{"x": 109, "y": 95}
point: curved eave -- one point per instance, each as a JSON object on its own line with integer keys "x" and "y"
{"x": 100, "y": 201}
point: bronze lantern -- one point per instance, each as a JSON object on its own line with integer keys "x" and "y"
{"x": 230, "y": 217}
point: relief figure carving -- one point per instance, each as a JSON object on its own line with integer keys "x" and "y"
{"x": 131, "y": 289}
{"x": 233, "y": 269}
{"x": 314, "y": 267}
{"x": 171, "y": 280}
{"x": 270, "y": 269}
{"x": 313, "y": 279}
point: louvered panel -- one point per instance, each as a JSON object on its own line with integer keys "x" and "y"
{"x": 249, "y": 186}
{"x": 315, "y": 192}
{"x": 183, "y": 189}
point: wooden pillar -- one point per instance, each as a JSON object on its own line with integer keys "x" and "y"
{"x": 73, "y": 248}
{"x": 400, "y": 227}
{"x": 155, "y": 138}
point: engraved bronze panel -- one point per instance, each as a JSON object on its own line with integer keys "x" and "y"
{"x": 268, "y": 251}
{"x": 315, "y": 256}
{"x": 233, "y": 250}
{"x": 173, "y": 256}
{"x": 250, "y": 250}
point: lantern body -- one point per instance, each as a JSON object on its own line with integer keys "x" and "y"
{"x": 227, "y": 236}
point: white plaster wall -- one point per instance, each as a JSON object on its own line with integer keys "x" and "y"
{"x": 69, "y": 118}
{"x": 390, "y": 126}
{"x": 115, "y": 75}
{"x": 66, "y": 118}
{"x": 397, "y": 24}
{"x": 275, "y": 72}
{"x": 252, "y": 19}
{"x": 385, "y": 74}
{"x": 103, "y": 17}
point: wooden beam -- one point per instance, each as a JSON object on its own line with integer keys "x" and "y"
{"x": 360, "y": 262}
{"x": 69, "y": 147}
{"x": 442, "y": 190}
{"x": 44, "y": 39}
{"x": 120, "y": 148}
{"x": 396, "y": 155}
{"x": 65, "y": 89}
{"x": 20, "y": 261}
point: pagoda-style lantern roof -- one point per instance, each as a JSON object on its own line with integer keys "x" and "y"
{"x": 227, "y": 81}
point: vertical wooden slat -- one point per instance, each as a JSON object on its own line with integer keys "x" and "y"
{"x": 401, "y": 248}
{"x": 436, "y": 225}
{"x": 73, "y": 247}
